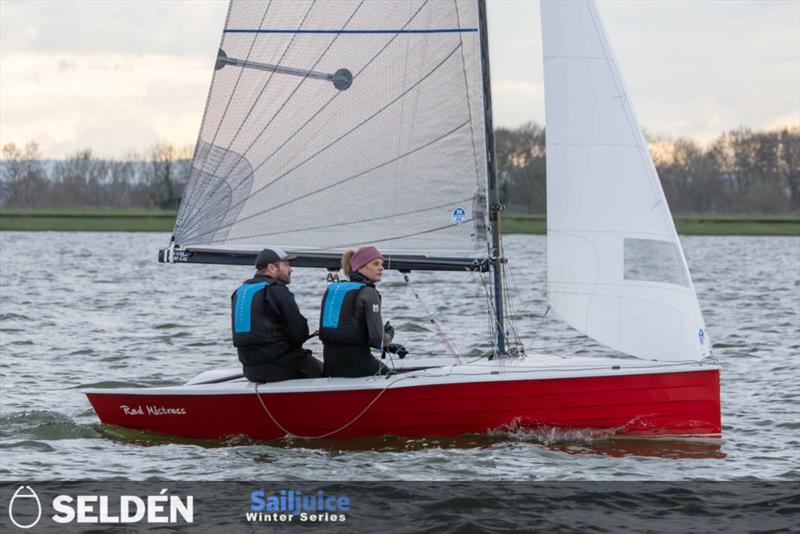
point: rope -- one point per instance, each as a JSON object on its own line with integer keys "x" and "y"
{"x": 325, "y": 435}
{"x": 492, "y": 317}
{"x": 432, "y": 319}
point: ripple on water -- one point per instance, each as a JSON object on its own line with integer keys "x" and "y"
{"x": 14, "y": 316}
{"x": 82, "y": 352}
{"x": 43, "y": 425}
{"x": 39, "y": 446}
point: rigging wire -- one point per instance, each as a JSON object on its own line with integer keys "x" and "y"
{"x": 541, "y": 324}
{"x": 431, "y": 317}
{"x": 492, "y": 321}
{"x": 517, "y": 346}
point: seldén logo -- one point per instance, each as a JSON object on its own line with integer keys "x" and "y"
{"x": 101, "y": 509}
{"x": 22, "y": 502}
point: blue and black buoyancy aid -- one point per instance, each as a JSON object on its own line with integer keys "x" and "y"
{"x": 250, "y": 322}
{"x": 338, "y": 321}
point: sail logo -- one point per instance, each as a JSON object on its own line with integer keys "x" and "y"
{"x": 459, "y": 214}
{"x": 286, "y": 506}
{"x": 23, "y": 498}
{"x": 702, "y": 336}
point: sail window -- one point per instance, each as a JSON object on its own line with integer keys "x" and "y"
{"x": 652, "y": 260}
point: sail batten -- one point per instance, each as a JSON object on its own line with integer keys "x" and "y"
{"x": 615, "y": 267}
{"x": 328, "y": 112}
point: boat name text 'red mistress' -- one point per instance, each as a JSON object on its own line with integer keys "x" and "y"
{"x": 151, "y": 410}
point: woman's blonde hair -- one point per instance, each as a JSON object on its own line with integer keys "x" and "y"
{"x": 346, "y": 262}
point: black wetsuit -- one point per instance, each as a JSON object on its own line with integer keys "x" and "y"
{"x": 269, "y": 332}
{"x": 355, "y": 358}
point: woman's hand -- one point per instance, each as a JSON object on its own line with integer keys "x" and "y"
{"x": 388, "y": 333}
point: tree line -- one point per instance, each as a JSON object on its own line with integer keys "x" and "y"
{"x": 741, "y": 171}
{"x": 155, "y": 179}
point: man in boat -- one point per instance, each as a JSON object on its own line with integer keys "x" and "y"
{"x": 268, "y": 328}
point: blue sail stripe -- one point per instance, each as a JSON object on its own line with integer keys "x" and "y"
{"x": 436, "y": 30}
{"x": 244, "y": 304}
{"x": 333, "y": 305}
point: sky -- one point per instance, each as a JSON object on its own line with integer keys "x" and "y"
{"x": 119, "y": 76}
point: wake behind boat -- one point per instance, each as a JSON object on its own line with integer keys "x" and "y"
{"x": 319, "y": 110}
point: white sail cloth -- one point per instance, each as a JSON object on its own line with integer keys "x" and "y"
{"x": 335, "y": 123}
{"x": 615, "y": 269}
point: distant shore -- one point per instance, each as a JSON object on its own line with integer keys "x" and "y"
{"x": 119, "y": 220}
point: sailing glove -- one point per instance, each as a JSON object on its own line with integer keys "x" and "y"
{"x": 396, "y": 348}
{"x": 388, "y": 333}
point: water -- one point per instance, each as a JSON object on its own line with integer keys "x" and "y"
{"x": 88, "y": 309}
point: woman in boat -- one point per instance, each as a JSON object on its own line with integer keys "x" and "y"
{"x": 350, "y": 320}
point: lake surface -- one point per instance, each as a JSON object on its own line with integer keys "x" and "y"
{"x": 97, "y": 309}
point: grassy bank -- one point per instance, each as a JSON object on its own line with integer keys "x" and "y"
{"x": 686, "y": 224}
{"x": 87, "y": 220}
{"x": 162, "y": 221}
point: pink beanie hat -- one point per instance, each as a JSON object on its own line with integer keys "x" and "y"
{"x": 363, "y": 256}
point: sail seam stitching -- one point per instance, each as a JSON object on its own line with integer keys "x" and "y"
{"x": 261, "y": 93}
{"x": 335, "y": 224}
{"x": 330, "y": 186}
{"x": 203, "y": 182}
{"x": 278, "y": 178}
{"x": 308, "y": 121}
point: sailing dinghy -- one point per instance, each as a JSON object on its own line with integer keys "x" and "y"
{"x": 322, "y": 109}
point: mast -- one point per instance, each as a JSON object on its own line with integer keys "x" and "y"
{"x": 494, "y": 190}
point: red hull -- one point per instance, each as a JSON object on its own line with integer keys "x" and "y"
{"x": 684, "y": 404}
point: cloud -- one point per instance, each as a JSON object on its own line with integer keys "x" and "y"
{"x": 111, "y": 102}
{"x": 164, "y": 27}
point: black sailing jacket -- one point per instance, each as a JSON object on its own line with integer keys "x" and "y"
{"x": 265, "y": 316}
{"x": 355, "y": 359}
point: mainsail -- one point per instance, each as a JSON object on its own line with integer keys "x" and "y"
{"x": 331, "y": 124}
{"x": 615, "y": 268}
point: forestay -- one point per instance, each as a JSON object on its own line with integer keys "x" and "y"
{"x": 331, "y": 124}
{"x": 615, "y": 268}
